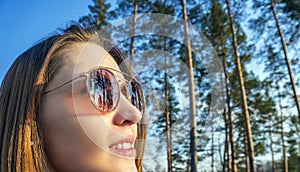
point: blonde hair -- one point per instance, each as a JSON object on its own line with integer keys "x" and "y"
{"x": 21, "y": 146}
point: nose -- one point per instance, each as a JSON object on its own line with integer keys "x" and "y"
{"x": 126, "y": 113}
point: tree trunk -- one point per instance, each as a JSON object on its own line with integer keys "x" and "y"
{"x": 168, "y": 123}
{"x": 133, "y": 32}
{"x": 193, "y": 133}
{"x": 228, "y": 121}
{"x": 246, "y": 153}
{"x": 188, "y": 164}
{"x": 231, "y": 134}
{"x": 286, "y": 58}
{"x": 285, "y": 161}
{"x": 271, "y": 147}
{"x": 226, "y": 155}
{"x": 243, "y": 93}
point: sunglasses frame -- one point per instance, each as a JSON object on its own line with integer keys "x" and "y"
{"x": 86, "y": 75}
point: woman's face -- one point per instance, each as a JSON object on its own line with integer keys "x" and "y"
{"x": 77, "y": 136}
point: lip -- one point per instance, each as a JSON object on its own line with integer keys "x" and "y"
{"x": 124, "y": 147}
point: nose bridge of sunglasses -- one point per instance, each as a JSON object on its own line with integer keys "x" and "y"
{"x": 123, "y": 77}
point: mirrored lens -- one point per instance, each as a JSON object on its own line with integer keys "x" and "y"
{"x": 103, "y": 89}
{"x": 136, "y": 95}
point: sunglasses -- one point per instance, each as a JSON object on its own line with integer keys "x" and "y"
{"x": 104, "y": 89}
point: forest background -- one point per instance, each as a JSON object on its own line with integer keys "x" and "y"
{"x": 257, "y": 45}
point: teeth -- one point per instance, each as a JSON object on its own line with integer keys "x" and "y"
{"x": 123, "y": 146}
{"x": 126, "y": 145}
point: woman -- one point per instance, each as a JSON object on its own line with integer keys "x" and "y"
{"x": 65, "y": 105}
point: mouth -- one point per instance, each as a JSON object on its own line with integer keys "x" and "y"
{"x": 124, "y": 147}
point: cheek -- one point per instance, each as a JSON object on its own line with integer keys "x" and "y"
{"x": 64, "y": 140}
{"x": 76, "y": 136}
{"x": 83, "y": 106}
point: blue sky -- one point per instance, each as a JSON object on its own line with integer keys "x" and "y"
{"x": 23, "y": 23}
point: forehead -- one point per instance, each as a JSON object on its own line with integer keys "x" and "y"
{"x": 84, "y": 56}
{"x": 80, "y": 58}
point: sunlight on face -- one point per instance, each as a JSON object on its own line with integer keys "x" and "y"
{"x": 77, "y": 136}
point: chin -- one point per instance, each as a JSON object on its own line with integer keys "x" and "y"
{"x": 112, "y": 163}
{"x": 124, "y": 166}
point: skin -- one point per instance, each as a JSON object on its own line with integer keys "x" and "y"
{"x": 77, "y": 136}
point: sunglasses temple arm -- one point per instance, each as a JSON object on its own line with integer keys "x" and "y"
{"x": 46, "y": 92}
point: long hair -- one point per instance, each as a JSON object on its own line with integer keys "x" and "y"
{"x": 21, "y": 136}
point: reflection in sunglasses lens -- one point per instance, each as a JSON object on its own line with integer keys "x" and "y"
{"x": 103, "y": 90}
{"x": 136, "y": 95}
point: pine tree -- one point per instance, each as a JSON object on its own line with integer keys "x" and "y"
{"x": 293, "y": 149}
{"x": 218, "y": 32}
{"x": 274, "y": 89}
{"x": 284, "y": 49}
{"x": 99, "y": 14}
{"x": 193, "y": 134}
{"x": 286, "y": 28}
{"x": 243, "y": 93}
{"x": 280, "y": 17}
